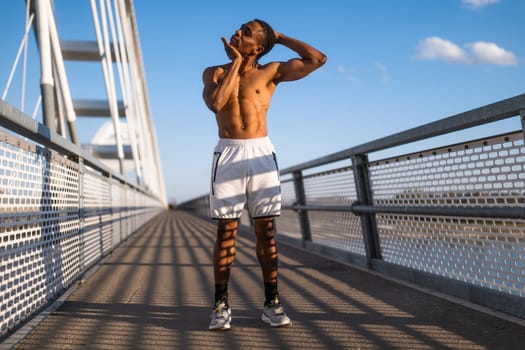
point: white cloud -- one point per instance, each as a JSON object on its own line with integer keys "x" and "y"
{"x": 436, "y": 48}
{"x": 476, "y": 4}
{"x": 485, "y": 52}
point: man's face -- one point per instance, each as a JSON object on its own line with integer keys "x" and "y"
{"x": 248, "y": 39}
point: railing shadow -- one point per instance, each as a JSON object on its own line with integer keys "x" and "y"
{"x": 156, "y": 292}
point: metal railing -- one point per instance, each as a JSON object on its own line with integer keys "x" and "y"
{"x": 61, "y": 211}
{"x": 450, "y": 218}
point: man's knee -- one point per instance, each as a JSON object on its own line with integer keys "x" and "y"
{"x": 227, "y": 228}
{"x": 264, "y": 227}
{"x": 267, "y": 223}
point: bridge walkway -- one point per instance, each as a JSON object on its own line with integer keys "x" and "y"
{"x": 155, "y": 292}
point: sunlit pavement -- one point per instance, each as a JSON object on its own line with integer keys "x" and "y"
{"x": 155, "y": 292}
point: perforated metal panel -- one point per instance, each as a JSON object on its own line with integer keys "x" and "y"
{"x": 39, "y": 224}
{"x": 333, "y": 187}
{"x": 97, "y": 236}
{"x": 49, "y": 233}
{"x": 288, "y": 222}
{"x": 488, "y": 172}
{"x": 116, "y": 203}
{"x": 200, "y": 205}
{"x": 341, "y": 230}
{"x": 484, "y": 252}
{"x": 487, "y": 253}
{"x": 337, "y": 229}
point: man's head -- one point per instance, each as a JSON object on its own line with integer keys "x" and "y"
{"x": 254, "y": 38}
{"x": 269, "y": 37}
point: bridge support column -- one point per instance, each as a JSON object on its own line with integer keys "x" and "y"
{"x": 47, "y": 88}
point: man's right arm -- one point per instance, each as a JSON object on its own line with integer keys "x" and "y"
{"x": 221, "y": 83}
{"x": 210, "y": 87}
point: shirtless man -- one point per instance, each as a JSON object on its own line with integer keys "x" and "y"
{"x": 244, "y": 169}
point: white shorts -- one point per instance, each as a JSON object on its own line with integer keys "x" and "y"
{"x": 244, "y": 173}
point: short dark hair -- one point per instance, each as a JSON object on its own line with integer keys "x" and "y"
{"x": 269, "y": 38}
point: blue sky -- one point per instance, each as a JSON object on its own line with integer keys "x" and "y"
{"x": 392, "y": 65}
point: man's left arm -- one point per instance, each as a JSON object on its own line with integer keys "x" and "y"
{"x": 298, "y": 68}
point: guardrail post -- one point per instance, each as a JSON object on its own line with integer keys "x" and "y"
{"x": 364, "y": 196}
{"x": 522, "y": 115}
{"x": 81, "y": 213}
{"x": 300, "y": 198}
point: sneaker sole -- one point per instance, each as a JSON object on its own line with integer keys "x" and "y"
{"x": 267, "y": 320}
{"x": 224, "y": 327}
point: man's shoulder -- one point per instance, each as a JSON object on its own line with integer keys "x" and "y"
{"x": 219, "y": 66}
{"x": 212, "y": 71}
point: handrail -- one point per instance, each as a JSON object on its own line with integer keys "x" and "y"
{"x": 501, "y": 212}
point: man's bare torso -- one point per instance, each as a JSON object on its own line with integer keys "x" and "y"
{"x": 244, "y": 116}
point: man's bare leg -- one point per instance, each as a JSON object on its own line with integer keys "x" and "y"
{"x": 223, "y": 258}
{"x": 267, "y": 255}
{"x": 273, "y": 312}
{"x": 224, "y": 255}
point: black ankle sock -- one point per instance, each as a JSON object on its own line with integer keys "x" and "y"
{"x": 221, "y": 293}
{"x": 270, "y": 291}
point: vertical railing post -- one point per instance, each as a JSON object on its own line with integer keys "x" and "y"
{"x": 364, "y": 196}
{"x": 522, "y": 116}
{"x": 300, "y": 198}
{"x": 111, "y": 212}
{"x": 81, "y": 213}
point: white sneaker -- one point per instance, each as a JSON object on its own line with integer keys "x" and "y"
{"x": 221, "y": 317}
{"x": 273, "y": 314}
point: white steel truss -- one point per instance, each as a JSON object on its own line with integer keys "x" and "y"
{"x": 132, "y": 149}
